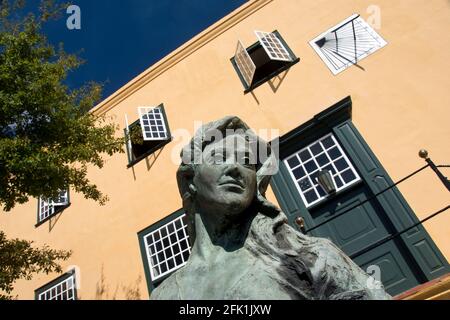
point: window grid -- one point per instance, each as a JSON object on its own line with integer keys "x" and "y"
{"x": 325, "y": 153}
{"x": 167, "y": 248}
{"x": 47, "y": 206}
{"x": 46, "y": 209}
{"x": 64, "y": 290}
{"x": 339, "y": 49}
{"x": 244, "y": 63}
{"x": 273, "y": 46}
{"x": 152, "y": 123}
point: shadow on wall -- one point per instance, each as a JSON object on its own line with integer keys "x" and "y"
{"x": 125, "y": 292}
{"x": 274, "y": 84}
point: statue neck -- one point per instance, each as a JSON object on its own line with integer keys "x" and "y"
{"x": 214, "y": 237}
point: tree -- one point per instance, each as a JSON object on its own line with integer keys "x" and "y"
{"x": 48, "y": 137}
{"x": 20, "y": 260}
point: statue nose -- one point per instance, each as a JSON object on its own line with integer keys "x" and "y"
{"x": 233, "y": 170}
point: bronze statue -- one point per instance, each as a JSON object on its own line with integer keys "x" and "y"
{"x": 242, "y": 247}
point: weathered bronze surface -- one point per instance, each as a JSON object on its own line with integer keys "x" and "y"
{"x": 242, "y": 246}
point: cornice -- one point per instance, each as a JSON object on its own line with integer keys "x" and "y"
{"x": 179, "y": 54}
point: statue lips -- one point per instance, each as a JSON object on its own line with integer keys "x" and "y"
{"x": 232, "y": 183}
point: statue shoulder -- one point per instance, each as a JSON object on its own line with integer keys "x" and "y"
{"x": 345, "y": 277}
{"x": 167, "y": 290}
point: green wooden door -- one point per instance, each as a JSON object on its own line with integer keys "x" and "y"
{"x": 405, "y": 261}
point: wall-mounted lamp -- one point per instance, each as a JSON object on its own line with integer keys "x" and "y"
{"x": 326, "y": 181}
{"x": 424, "y": 155}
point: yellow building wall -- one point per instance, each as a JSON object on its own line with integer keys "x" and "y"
{"x": 400, "y": 105}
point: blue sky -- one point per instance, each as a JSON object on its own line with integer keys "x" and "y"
{"x": 121, "y": 38}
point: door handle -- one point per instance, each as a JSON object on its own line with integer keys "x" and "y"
{"x": 301, "y": 223}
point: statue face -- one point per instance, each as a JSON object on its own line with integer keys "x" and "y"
{"x": 225, "y": 181}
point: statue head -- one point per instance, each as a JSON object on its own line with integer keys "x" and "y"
{"x": 225, "y": 170}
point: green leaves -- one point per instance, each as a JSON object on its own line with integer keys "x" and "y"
{"x": 55, "y": 137}
{"x": 20, "y": 260}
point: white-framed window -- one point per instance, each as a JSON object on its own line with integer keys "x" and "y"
{"x": 244, "y": 62}
{"x": 304, "y": 166}
{"x": 347, "y": 43}
{"x": 273, "y": 46}
{"x": 167, "y": 247}
{"x": 147, "y": 134}
{"x": 48, "y": 207}
{"x": 263, "y": 60}
{"x": 63, "y": 288}
{"x": 152, "y": 123}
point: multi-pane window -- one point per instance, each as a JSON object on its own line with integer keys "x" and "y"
{"x": 63, "y": 288}
{"x": 147, "y": 134}
{"x": 273, "y": 46}
{"x": 167, "y": 247}
{"x": 48, "y": 207}
{"x": 152, "y": 123}
{"x": 263, "y": 60}
{"x": 244, "y": 63}
{"x": 305, "y": 165}
{"x": 347, "y": 43}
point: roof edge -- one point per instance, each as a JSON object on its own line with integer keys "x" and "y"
{"x": 179, "y": 54}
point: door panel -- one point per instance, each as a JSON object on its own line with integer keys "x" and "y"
{"x": 395, "y": 273}
{"x": 355, "y": 229}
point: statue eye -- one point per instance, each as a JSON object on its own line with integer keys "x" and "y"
{"x": 219, "y": 158}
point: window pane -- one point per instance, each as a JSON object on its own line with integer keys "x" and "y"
{"x": 311, "y": 196}
{"x": 293, "y": 162}
{"x": 171, "y": 263}
{"x": 316, "y": 148}
{"x": 299, "y": 173}
{"x": 183, "y": 245}
{"x": 305, "y": 155}
{"x": 334, "y": 153}
{"x": 320, "y": 191}
{"x": 338, "y": 181}
{"x": 341, "y": 164}
{"x": 348, "y": 176}
{"x": 310, "y": 166}
{"x": 179, "y": 259}
{"x": 322, "y": 160}
{"x": 327, "y": 142}
{"x": 304, "y": 184}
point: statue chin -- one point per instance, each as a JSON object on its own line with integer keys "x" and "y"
{"x": 230, "y": 207}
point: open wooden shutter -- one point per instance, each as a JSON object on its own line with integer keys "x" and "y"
{"x": 244, "y": 63}
{"x": 152, "y": 123}
{"x": 273, "y": 46}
